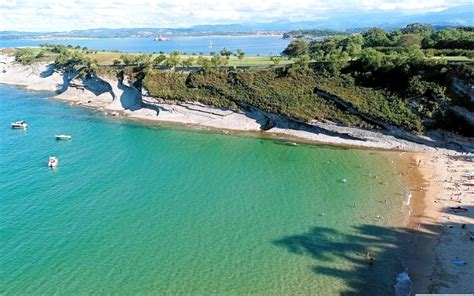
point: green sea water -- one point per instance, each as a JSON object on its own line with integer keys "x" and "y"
{"x": 142, "y": 209}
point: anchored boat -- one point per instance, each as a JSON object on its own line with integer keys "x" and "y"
{"x": 53, "y": 162}
{"x": 63, "y": 137}
{"x": 19, "y": 124}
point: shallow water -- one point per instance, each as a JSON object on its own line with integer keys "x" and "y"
{"x": 135, "y": 208}
{"x": 253, "y": 45}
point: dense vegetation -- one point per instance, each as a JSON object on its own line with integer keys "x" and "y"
{"x": 402, "y": 78}
{"x": 268, "y": 90}
{"x": 414, "y": 86}
{"x": 386, "y": 77}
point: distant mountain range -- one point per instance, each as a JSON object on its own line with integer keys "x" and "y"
{"x": 342, "y": 20}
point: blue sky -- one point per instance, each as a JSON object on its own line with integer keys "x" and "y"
{"x": 64, "y": 15}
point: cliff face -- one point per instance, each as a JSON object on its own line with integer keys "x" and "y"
{"x": 93, "y": 91}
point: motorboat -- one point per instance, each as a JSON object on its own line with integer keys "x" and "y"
{"x": 53, "y": 162}
{"x": 19, "y": 124}
{"x": 63, "y": 137}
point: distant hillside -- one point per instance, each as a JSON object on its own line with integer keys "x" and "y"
{"x": 342, "y": 20}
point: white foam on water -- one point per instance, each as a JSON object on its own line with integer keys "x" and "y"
{"x": 406, "y": 205}
{"x": 408, "y": 196}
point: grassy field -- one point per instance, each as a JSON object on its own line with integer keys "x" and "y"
{"x": 454, "y": 58}
{"x": 105, "y": 58}
{"x": 108, "y": 57}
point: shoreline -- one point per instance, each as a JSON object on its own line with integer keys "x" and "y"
{"x": 426, "y": 243}
{"x": 417, "y": 248}
{"x": 423, "y": 243}
{"x": 118, "y": 98}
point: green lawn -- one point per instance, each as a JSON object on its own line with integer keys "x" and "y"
{"x": 454, "y": 58}
{"x": 105, "y": 58}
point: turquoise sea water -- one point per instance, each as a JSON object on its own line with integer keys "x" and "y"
{"x": 253, "y": 45}
{"x": 141, "y": 209}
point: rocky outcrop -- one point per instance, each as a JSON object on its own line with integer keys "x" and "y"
{"x": 463, "y": 88}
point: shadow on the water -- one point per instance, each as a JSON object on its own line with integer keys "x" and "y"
{"x": 385, "y": 245}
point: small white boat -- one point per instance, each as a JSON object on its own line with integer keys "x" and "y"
{"x": 63, "y": 137}
{"x": 19, "y": 124}
{"x": 53, "y": 162}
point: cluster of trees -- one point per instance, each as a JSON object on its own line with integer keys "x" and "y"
{"x": 316, "y": 33}
{"x": 414, "y": 37}
{"x": 175, "y": 59}
{"x": 25, "y": 55}
{"x": 172, "y": 60}
{"x": 399, "y": 61}
{"x": 76, "y": 60}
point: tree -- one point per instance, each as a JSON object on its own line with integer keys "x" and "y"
{"x": 41, "y": 54}
{"x": 24, "y": 56}
{"x": 216, "y": 61}
{"x": 410, "y": 40}
{"x": 187, "y": 62}
{"x": 371, "y": 59}
{"x": 240, "y": 54}
{"x": 353, "y": 45}
{"x": 144, "y": 60}
{"x": 300, "y": 65}
{"x": 173, "y": 59}
{"x": 205, "y": 64}
{"x": 275, "y": 59}
{"x": 375, "y": 37}
{"x": 128, "y": 59}
{"x": 226, "y": 52}
{"x": 296, "y": 48}
{"x": 419, "y": 29}
{"x": 159, "y": 59}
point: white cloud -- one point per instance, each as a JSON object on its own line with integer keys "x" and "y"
{"x": 63, "y": 15}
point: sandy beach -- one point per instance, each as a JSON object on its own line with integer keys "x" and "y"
{"x": 437, "y": 177}
{"x": 439, "y": 232}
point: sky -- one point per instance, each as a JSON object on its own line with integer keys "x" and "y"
{"x": 65, "y": 15}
